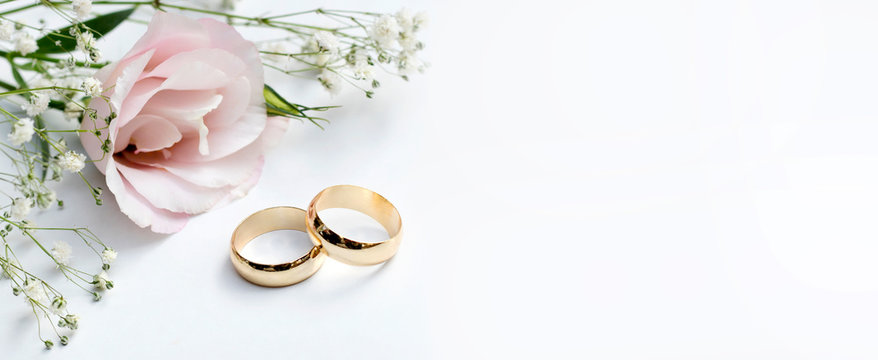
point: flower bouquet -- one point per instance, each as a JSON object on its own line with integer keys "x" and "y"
{"x": 178, "y": 125}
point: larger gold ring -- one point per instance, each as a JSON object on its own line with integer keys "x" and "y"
{"x": 365, "y": 201}
{"x": 267, "y": 220}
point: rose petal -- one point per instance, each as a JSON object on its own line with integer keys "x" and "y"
{"x": 140, "y": 211}
{"x": 275, "y": 129}
{"x": 236, "y": 99}
{"x": 190, "y": 77}
{"x": 223, "y": 36}
{"x": 186, "y": 109}
{"x": 242, "y": 189}
{"x": 148, "y": 133}
{"x": 167, "y": 191}
{"x": 119, "y": 89}
{"x": 218, "y": 59}
{"x": 231, "y": 170}
{"x": 224, "y": 141}
{"x": 170, "y": 34}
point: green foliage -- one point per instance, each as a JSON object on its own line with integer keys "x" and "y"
{"x": 61, "y": 40}
{"x": 276, "y": 105}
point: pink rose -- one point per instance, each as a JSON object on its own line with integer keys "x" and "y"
{"x": 190, "y": 129}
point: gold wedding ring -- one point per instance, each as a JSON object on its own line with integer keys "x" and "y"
{"x": 267, "y": 220}
{"x": 365, "y": 201}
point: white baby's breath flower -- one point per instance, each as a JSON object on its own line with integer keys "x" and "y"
{"x": 410, "y": 64}
{"x": 46, "y": 199}
{"x": 22, "y": 131}
{"x": 21, "y": 208}
{"x": 363, "y": 71}
{"x": 82, "y": 8}
{"x": 8, "y": 269}
{"x": 85, "y": 41}
{"x": 218, "y": 5}
{"x": 25, "y": 44}
{"x": 33, "y": 290}
{"x": 280, "y": 49}
{"x": 102, "y": 281}
{"x": 92, "y": 87}
{"x": 420, "y": 21}
{"x": 108, "y": 255}
{"x": 321, "y": 58}
{"x": 409, "y": 42}
{"x": 71, "y": 161}
{"x": 95, "y": 55}
{"x": 59, "y": 306}
{"x": 7, "y": 29}
{"x": 385, "y": 30}
{"x": 38, "y": 103}
{"x": 72, "y": 110}
{"x": 71, "y": 321}
{"x": 406, "y": 19}
{"x": 330, "y": 81}
{"x": 326, "y": 42}
{"x": 62, "y": 252}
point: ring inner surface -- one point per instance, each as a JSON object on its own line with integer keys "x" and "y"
{"x": 358, "y": 199}
{"x": 265, "y": 221}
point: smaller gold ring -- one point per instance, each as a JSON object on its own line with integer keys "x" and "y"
{"x": 267, "y": 220}
{"x": 365, "y": 201}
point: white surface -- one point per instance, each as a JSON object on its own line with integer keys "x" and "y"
{"x": 615, "y": 180}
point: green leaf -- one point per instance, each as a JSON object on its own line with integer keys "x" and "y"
{"x": 274, "y": 101}
{"x": 44, "y": 146}
{"x": 276, "y": 105}
{"x": 100, "y": 26}
{"x": 15, "y": 73}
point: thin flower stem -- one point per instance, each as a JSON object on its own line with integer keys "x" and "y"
{"x": 293, "y": 14}
{"x": 15, "y": 10}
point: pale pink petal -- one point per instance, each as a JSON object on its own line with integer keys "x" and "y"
{"x": 242, "y": 189}
{"x": 186, "y": 110}
{"x": 193, "y": 76}
{"x": 167, "y": 191}
{"x": 119, "y": 87}
{"x": 275, "y": 128}
{"x": 138, "y": 209}
{"x": 170, "y": 34}
{"x": 231, "y": 170}
{"x": 218, "y": 59}
{"x": 224, "y": 141}
{"x": 236, "y": 99}
{"x": 140, "y": 93}
{"x": 223, "y": 36}
{"x": 147, "y": 133}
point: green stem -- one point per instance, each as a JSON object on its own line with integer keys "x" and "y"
{"x": 49, "y": 59}
{"x": 12, "y": 11}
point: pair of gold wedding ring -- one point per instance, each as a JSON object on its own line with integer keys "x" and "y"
{"x": 326, "y": 242}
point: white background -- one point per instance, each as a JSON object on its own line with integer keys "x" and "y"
{"x": 605, "y": 180}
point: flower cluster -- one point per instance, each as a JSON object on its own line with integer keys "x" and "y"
{"x": 39, "y": 155}
{"x": 353, "y": 52}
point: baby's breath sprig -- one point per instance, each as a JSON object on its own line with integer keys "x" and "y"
{"x": 351, "y": 51}
{"x": 47, "y": 81}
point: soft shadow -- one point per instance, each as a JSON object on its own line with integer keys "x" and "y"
{"x": 335, "y": 281}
